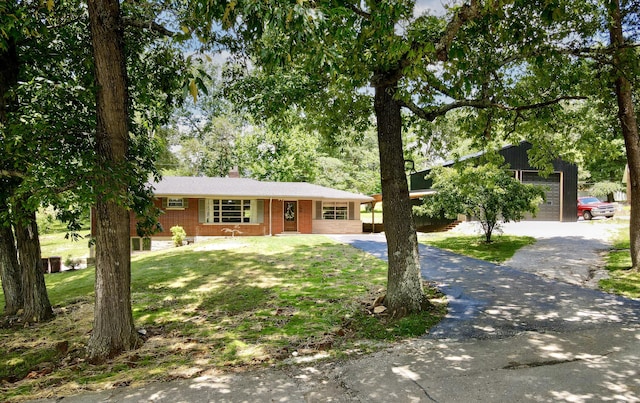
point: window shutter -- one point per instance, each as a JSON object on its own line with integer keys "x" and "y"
{"x": 352, "y": 211}
{"x": 164, "y": 202}
{"x": 185, "y": 203}
{"x": 201, "y": 211}
{"x": 318, "y": 210}
{"x": 259, "y": 212}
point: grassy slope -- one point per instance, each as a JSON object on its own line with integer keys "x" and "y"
{"x": 622, "y": 280}
{"x": 222, "y": 305}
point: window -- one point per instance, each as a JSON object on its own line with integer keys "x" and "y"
{"x": 335, "y": 210}
{"x": 175, "y": 203}
{"x": 231, "y": 211}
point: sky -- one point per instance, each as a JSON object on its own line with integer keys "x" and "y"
{"x": 437, "y": 6}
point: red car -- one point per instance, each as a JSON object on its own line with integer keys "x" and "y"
{"x": 589, "y": 207}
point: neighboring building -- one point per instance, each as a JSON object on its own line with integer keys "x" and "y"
{"x": 206, "y": 207}
{"x": 562, "y": 184}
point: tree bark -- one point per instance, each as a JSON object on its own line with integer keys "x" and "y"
{"x": 9, "y": 69}
{"x": 10, "y": 272}
{"x": 9, "y": 267}
{"x": 404, "y": 284}
{"x": 622, "y": 59}
{"x": 113, "y": 327}
{"x": 37, "y": 307}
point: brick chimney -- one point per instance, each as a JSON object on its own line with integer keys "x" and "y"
{"x": 234, "y": 173}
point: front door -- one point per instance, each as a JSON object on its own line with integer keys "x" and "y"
{"x": 291, "y": 216}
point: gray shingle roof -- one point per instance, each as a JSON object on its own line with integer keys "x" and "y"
{"x": 189, "y": 186}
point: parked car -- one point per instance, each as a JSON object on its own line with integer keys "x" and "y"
{"x": 589, "y": 207}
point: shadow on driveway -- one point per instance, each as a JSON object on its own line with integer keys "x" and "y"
{"x": 492, "y": 301}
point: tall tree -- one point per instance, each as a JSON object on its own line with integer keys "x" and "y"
{"x": 113, "y": 327}
{"x": 9, "y": 268}
{"x": 25, "y": 288}
{"x": 37, "y": 307}
{"x": 129, "y": 108}
{"x": 625, "y": 63}
{"x": 423, "y": 65}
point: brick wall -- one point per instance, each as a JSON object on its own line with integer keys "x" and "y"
{"x": 188, "y": 219}
{"x": 278, "y": 216}
{"x": 305, "y": 216}
{"x": 337, "y": 226}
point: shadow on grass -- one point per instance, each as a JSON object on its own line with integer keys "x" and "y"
{"x": 219, "y": 305}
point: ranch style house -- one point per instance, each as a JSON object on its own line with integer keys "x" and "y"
{"x": 206, "y": 206}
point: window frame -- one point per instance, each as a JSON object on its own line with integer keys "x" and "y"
{"x": 335, "y": 211}
{"x": 171, "y": 203}
{"x": 237, "y": 211}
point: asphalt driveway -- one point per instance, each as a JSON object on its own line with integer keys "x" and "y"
{"x": 493, "y": 301}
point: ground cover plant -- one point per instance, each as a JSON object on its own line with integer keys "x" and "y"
{"x": 501, "y": 249}
{"x": 622, "y": 280}
{"x": 224, "y": 305}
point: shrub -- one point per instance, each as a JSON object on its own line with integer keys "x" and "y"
{"x": 178, "y": 235}
{"x": 488, "y": 192}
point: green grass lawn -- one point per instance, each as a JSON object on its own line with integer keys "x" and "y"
{"x": 56, "y": 244}
{"x": 622, "y": 280}
{"x": 223, "y": 305}
{"x": 499, "y": 250}
{"x": 369, "y": 216}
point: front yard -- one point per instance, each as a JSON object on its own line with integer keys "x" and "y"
{"x": 223, "y": 305}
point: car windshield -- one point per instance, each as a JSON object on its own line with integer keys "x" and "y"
{"x": 589, "y": 200}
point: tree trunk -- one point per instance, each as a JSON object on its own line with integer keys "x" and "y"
{"x": 10, "y": 272}
{"x": 9, "y": 268}
{"x": 404, "y": 285}
{"x": 113, "y": 327}
{"x": 9, "y": 69}
{"x": 622, "y": 64}
{"x": 37, "y": 307}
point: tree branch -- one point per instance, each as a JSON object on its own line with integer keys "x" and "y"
{"x": 12, "y": 174}
{"x": 466, "y": 13}
{"x": 150, "y": 25}
{"x": 545, "y": 103}
{"x": 432, "y": 114}
{"x": 358, "y": 11}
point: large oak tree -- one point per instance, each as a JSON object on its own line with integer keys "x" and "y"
{"x": 403, "y": 65}
{"x": 113, "y": 327}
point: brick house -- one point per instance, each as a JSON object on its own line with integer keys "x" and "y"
{"x": 206, "y": 206}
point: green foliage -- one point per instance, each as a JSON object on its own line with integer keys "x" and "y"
{"x": 203, "y": 132}
{"x": 278, "y": 154}
{"x": 602, "y": 190}
{"x": 49, "y": 148}
{"x": 178, "y": 235}
{"x": 488, "y": 193}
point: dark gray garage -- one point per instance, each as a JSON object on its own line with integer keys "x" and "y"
{"x": 562, "y": 184}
